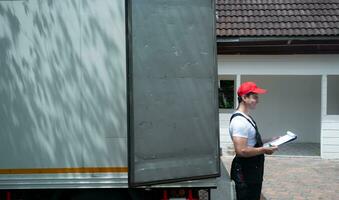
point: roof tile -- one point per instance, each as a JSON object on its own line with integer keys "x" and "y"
{"x": 277, "y": 17}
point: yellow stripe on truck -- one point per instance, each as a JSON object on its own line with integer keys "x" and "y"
{"x": 66, "y": 170}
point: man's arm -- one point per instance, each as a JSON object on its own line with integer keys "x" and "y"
{"x": 241, "y": 148}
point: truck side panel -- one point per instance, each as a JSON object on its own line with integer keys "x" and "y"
{"x": 174, "y": 124}
{"x": 63, "y": 110}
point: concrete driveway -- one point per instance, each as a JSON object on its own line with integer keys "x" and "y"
{"x": 298, "y": 178}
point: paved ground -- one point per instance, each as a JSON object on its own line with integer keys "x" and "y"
{"x": 224, "y": 189}
{"x": 299, "y": 149}
{"x": 298, "y": 178}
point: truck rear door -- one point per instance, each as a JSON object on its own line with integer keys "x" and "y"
{"x": 172, "y": 84}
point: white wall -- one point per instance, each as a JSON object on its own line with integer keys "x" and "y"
{"x": 329, "y": 123}
{"x": 278, "y": 64}
{"x": 330, "y": 137}
{"x": 225, "y": 139}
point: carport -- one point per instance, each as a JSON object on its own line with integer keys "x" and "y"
{"x": 293, "y": 103}
{"x": 301, "y": 98}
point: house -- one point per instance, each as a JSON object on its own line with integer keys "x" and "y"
{"x": 291, "y": 48}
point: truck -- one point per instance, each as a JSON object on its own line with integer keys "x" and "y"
{"x": 108, "y": 99}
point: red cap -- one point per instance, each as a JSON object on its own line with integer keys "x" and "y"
{"x": 248, "y": 87}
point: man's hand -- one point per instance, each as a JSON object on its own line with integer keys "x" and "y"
{"x": 270, "y": 150}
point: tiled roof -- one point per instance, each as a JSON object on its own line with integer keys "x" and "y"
{"x": 277, "y": 17}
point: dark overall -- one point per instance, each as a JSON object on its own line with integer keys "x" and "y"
{"x": 247, "y": 173}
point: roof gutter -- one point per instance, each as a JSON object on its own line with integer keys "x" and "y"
{"x": 278, "y": 45}
{"x": 275, "y": 38}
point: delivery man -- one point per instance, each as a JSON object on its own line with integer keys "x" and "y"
{"x": 248, "y": 165}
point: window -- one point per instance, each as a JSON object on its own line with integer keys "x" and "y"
{"x": 332, "y": 95}
{"x": 226, "y": 94}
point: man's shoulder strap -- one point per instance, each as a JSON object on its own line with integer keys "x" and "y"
{"x": 236, "y": 114}
{"x": 239, "y": 114}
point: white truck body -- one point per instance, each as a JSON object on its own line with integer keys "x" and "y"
{"x": 76, "y": 87}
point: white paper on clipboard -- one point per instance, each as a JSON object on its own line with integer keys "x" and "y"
{"x": 282, "y": 140}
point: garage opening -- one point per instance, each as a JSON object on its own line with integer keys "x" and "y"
{"x": 332, "y": 95}
{"x": 293, "y": 103}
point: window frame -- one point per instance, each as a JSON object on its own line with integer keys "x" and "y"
{"x": 228, "y": 78}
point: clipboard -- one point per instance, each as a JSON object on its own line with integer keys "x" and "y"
{"x": 288, "y": 137}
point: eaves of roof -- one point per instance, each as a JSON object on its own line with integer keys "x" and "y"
{"x": 276, "y": 38}
{"x": 278, "y": 45}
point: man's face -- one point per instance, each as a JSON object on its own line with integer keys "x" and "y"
{"x": 251, "y": 101}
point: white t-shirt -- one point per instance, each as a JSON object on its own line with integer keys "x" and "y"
{"x": 240, "y": 127}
